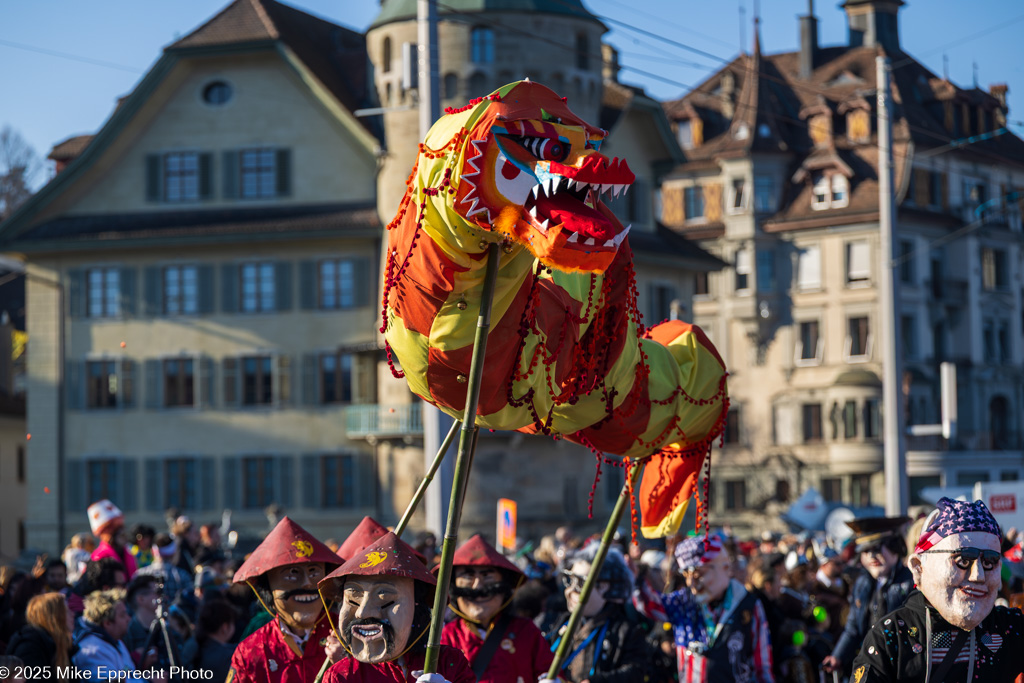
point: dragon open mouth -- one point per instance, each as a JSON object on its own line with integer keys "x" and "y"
{"x": 573, "y": 205}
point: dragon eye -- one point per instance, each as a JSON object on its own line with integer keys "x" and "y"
{"x": 545, "y": 149}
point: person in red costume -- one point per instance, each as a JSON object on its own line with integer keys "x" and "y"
{"x": 107, "y": 523}
{"x": 284, "y": 571}
{"x": 500, "y": 647}
{"x": 385, "y": 594}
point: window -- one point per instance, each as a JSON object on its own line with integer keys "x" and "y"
{"x": 338, "y": 284}
{"x": 988, "y": 337}
{"x": 908, "y": 335}
{"x": 181, "y": 290}
{"x": 822, "y": 193}
{"x": 257, "y": 380}
{"x": 660, "y": 306}
{"x": 386, "y": 56}
{"x": 994, "y": 273}
{"x": 217, "y": 93}
{"x": 179, "y": 382}
{"x": 975, "y": 196}
{"x": 101, "y": 477}
{"x": 180, "y": 483}
{"x": 765, "y": 194}
{"x": 336, "y": 378}
{"x": 337, "y": 474}
{"x": 181, "y": 177}
{"x": 257, "y": 482}
{"x": 739, "y": 196}
{"x": 742, "y": 270}
{"x": 259, "y": 173}
{"x": 1003, "y": 345}
{"x": 693, "y": 203}
{"x": 104, "y": 292}
{"x": 936, "y": 185}
{"x": 684, "y": 131}
{"x": 812, "y": 422}
{"x": 858, "y": 264}
{"x": 765, "y": 270}
{"x": 258, "y": 287}
{"x": 735, "y": 494}
{"x": 999, "y": 423}
{"x": 481, "y": 49}
{"x": 840, "y": 191}
{"x": 732, "y": 426}
{"x": 700, "y": 285}
{"x": 971, "y": 477}
{"x": 810, "y": 345}
{"x": 830, "y": 191}
{"x": 582, "y": 51}
{"x": 872, "y": 418}
{"x": 107, "y": 385}
{"x": 850, "y": 420}
{"x": 808, "y": 268}
{"x": 907, "y": 262}
{"x": 858, "y": 337}
{"x": 451, "y": 86}
{"x": 832, "y": 490}
{"x": 477, "y": 84}
{"x": 860, "y": 489}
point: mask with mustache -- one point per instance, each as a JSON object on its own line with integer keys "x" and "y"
{"x": 488, "y": 591}
{"x": 296, "y": 600}
{"x": 376, "y": 616}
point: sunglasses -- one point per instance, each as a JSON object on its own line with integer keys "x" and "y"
{"x": 963, "y": 558}
{"x": 573, "y": 582}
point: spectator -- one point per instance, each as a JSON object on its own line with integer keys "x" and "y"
{"x": 104, "y": 575}
{"x": 100, "y": 646}
{"x": 107, "y": 524}
{"x": 142, "y": 544}
{"x": 211, "y": 647}
{"x": 187, "y": 535}
{"x": 176, "y": 581}
{"x": 46, "y": 639}
{"x": 145, "y": 632}
{"x": 56, "y": 577}
{"x": 77, "y": 555}
{"x": 209, "y": 539}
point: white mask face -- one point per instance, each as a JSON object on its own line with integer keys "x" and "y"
{"x": 964, "y": 597}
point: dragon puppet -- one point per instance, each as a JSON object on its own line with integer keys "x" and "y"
{"x": 568, "y": 355}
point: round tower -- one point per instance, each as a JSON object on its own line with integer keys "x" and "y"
{"x": 482, "y": 45}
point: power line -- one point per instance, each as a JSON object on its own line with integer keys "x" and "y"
{"x": 75, "y": 58}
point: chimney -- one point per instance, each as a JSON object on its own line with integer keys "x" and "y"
{"x": 808, "y": 41}
{"x": 874, "y": 23}
{"x": 999, "y": 91}
{"x": 609, "y": 63}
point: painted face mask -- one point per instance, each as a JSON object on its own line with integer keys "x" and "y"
{"x": 376, "y": 616}
{"x": 296, "y": 599}
{"x": 963, "y": 590}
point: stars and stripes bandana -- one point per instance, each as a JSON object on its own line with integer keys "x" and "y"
{"x": 956, "y": 517}
{"x": 695, "y": 551}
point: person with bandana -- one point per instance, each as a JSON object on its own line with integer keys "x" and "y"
{"x": 949, "y": 629}
{"x": 500, "y": 647}
{"x": 284, "y": 571}
{"x": 885, "y": 586}
{"x": 721, "y": 629}
{"x": 608, "y": 646}
{"x": 386, "y": 593}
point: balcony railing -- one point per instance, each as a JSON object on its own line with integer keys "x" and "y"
{"x": 382, "y": 421}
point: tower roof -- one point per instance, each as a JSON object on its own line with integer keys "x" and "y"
{"x": 404, "y": 10}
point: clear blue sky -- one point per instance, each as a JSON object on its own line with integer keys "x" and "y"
{"x": 105, "y": 46}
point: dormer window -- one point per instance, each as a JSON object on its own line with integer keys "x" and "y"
{"x": 822, "y": 196}
{"x": 840, "y": 191}
{"x": 685, "y": 133}
{"x": 830, "y": 192}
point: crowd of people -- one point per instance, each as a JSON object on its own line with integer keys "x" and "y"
{"x": 891, "y": 603}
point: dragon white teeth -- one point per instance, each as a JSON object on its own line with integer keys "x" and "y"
{"x": 617, "y": 190}
{"x": 607, "y": 187}
{"x": 575, "y": 237}
{"x": 536, "y": 191}
{"x": 544, "y": 225}
{"x": 622, "y": 235}
{"x": 610, "y": 243}
{"x": 533, "y": 211}
{"x": 589, "y": 242}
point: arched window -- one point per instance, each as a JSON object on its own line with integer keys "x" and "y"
{"x": 386, "y": 59}
{"x": 451, "y": 86}
{"x": 999, "y": 422}
{"x": 481, "y": 50}
{"x": 582, "y": 51}
{"x": 477, "y": 85}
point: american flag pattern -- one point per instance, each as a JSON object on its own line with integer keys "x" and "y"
{"x": 942, "y": 641}
{"x": 956, "y": 517}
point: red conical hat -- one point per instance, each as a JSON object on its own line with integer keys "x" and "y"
{"x": 476, "y": 552}
{"x": 389, "y": 556}
{"x": 366, "y": 532}
{"x": 287, "y": 544}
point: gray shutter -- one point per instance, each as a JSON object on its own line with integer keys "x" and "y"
{"x": 307, "y": 285}
{"x": 311, "y": 483}
{"x": 283, "y": 286}
{"x": 129, "y": 495}
{"x": 154, "y": 492}
{"x": 207, "y": 484}
{"x": 152, "y": 291}
{"x": 310, "y": 379}
{"x": 229, "y": 288}
{"x": 284, "y": 480}
{"x": 362, "y": 284}
{"x": 127, "y": 387}
{"x": 75, "y": 479}
{"x": 127, "y": 302}
{"x": 154, "y": 393}
{"x": 230, "y": 189}
{"x": 206, "y": 296}
{"x": 364, "y": 369}
{"x": 229, "y": 372}
{"x": 366, "y": 481}
{"x": 232, "y": 482}
{"x": 206, "y": 382}
{"x": 284, "y": 172}
{"x": 283, "y": 385}
{"x": 73, "y": 372}
{"x": 205, "y": 175}
{"x": 154, "y": 182}
{"x": 77, "y": 289}
{"x": 643, "y": 200}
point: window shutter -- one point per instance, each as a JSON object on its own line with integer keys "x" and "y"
{"x": 207, "y": 484}
{"x": 809, "y": 268}
{"x": 283, "y": 286}
{"x": 643, "y": 200}
{"x": 232, "y": 483}
{"x": 230, "y": 160}
{"x": 311, "y": 481}
{"x": 859, "y": 265}
{"x": 307, "y": 285}
{"x": 229, "y": 369}
{"x": 204, "y": 273}
{"x": 129, "y": 498}
{"x": 204, "y": 382}
{"x": 310, "y": 379}
{"x": 366, "y": 488}
{"x": 282, "y": 379}
{"x": 205, "y": 175}
{"x": 363, "y": 367}
{"x": 75, "y": 478}
{"x": 154, "y": 492}
{"x": 154, "y": 181}
{"x": 126, "y": 383}
{"x": 284, "y": 172}
{"x": 361, "y": 274}
{"x": 73, "y": 372}
{"x": 229, "y": 288}
{"x": 284, "y": 480}
{"x": 127, "y": 302}
{"x": 154, "y": 397}
{"x": 77, "y": 293}
{"x": 152, "y": 291}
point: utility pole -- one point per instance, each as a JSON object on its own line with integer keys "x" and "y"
{"x": 435, "y": 423}
{"x": 896, "y": 490}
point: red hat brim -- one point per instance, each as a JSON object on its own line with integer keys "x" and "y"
{"x": 389, "y": 556}
{"x": 286, "y": 545}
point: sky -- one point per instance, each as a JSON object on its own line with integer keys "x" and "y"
{"x": 64, "y": 63}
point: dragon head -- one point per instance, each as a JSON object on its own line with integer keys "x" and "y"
{"x": 523, "y": 165}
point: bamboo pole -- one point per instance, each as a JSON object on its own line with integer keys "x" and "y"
{"x": 427, "y": 478}
{"x": 463, "y": 462}
{"x": 595, "y": 569}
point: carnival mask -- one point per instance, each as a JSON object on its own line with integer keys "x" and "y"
{"x": 376, "y": 616}
{"x": 709, "y": 581}
{"x": 963, "y": 590}
{"x": 480, "y": 593}
{"x": 296, "y": 599}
